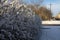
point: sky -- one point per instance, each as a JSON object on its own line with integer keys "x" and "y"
{"x": 55, "y": 7}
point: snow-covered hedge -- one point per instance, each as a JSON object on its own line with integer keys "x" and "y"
{"x": 20, "y": 24}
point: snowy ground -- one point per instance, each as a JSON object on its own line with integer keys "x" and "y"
{"x": 50, "y": 33}
{"x": 50, "y": 22}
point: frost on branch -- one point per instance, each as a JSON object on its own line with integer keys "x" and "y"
{"x": 20, "y": 24}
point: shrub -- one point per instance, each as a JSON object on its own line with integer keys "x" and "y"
{"x": 20, "y": 24}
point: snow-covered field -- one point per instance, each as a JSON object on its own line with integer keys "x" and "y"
{"x": 50, "y": 22}
{"x": 50, "y": 32}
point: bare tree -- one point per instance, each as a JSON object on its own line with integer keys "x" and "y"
{"x": 45, "y": 13}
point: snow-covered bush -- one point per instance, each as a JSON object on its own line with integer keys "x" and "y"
{"x": 20, "y": 24}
